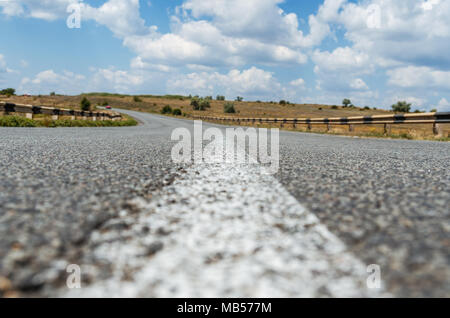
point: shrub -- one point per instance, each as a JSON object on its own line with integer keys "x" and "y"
{"x": 204, "y": 103}
{"x": 334, "y": 107}
{"x": 16, "y": 121}
{"x": 166, "y": 110}
{"x": 200, "y": 103}
{"x": 228, "y": 108}
{"x": 177, "y": 112}
{"x": 136, "y": 99}
{"x": 239, "y": 99}
{"x": 105, "y": 103}
{"x": 52, "y": 94}
{"x": 282, "y": 102}
{"x": 346, "y": 102}
{"x": 195, "y": 103}
{"x": 85, "y": 104}
{"x": 401, "y": 107}
{"x": 434, "y": 110}
{"x": 220, "y": 97}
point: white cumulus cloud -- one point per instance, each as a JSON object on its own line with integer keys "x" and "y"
{"x": 250, "y": 82}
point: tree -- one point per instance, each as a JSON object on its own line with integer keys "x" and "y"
{"x": 52, "y": 94}
{"x": 401, "y": 107}
{"x": 228, "y": 108}
{"x": 85, "y": 104}
{"x": 8, "y": 92}
{"x": 282, "y": 102}
{"x": 434, "y": 110}
{"x": 346, "y": 102}
{"x": 220, "y": 97}
{"x": 239, "y": 99}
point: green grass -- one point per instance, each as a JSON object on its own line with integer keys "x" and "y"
{"x": 17, "y": 121}
{"x": 443, "y": 139}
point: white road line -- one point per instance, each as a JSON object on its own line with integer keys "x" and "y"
{"x": 228, "y": 231}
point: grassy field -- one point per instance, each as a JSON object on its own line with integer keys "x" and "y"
{"x": 155, "y": 104}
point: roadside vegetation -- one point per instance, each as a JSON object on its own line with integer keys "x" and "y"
{"x": 18, "y": 121}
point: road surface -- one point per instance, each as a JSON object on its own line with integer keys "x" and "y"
{"x": 112, "y": 201}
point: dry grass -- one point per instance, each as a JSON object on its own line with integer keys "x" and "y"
{"x": 154, "y": 104}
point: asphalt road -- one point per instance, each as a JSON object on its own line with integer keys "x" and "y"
{"x": 69, "y": 196}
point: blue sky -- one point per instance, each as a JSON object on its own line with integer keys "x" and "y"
{"x": 375, "y": 52}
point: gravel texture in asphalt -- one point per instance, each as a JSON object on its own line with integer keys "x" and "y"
{"x": 68, "y": 193}
{"x": 388, "y": 200}
{"x": 58, "y": 185}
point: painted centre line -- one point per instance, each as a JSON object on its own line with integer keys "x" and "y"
{"x": 227, "y": 231}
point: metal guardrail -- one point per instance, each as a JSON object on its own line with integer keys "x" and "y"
{"x": 30, "y": 110}
{"x": 422, "y": 118}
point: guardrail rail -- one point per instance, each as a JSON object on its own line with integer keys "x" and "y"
{"x": 386, "y": 120}
{"x": 7, "y": 108}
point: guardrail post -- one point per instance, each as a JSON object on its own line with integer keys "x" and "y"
{"x": 328, "y": 127}
{"x": 55, "y": 115}
{"x": 437, "y": 130}
{"x": 309, "y": 126}
{"x": 351, "y": 128}
{"x": 387, "y": 129}
{"x": 7, "y": 109}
